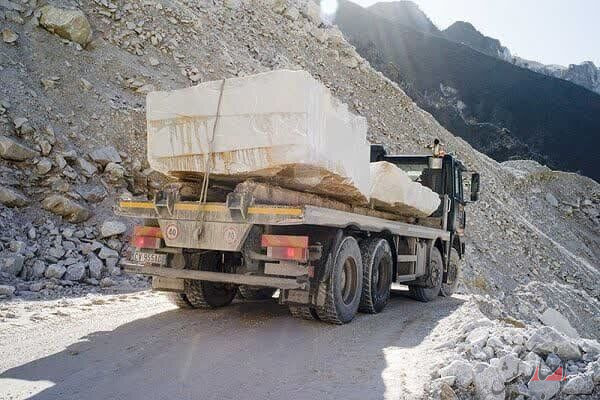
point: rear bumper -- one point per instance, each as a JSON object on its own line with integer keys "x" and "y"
{"x": 250, "y": 280}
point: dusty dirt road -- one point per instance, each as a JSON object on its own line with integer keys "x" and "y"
{"x": 138, "y": 346}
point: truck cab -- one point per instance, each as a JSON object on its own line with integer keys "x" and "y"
{"x": 446, "y": 176}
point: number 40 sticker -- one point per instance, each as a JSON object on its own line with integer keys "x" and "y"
{"x": 171, "y": 231}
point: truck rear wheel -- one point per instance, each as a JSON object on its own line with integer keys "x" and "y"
{"x": 304, "y": 312}
{"x": 204, "y": 294}
{"x": 434, "y": 279}
{"x": 179, "y": 299}
{"x": 250, "y": 293}
{"x": 344, "y": 286}
{"x": 448, "y": 289}
{"x": 377, "y": 275}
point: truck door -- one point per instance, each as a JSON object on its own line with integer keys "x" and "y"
{"x": 454, "y": 189}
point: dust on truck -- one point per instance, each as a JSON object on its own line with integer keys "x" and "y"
{"x": 328, "y": 259}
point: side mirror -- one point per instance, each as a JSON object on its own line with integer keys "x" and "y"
{"x": 475, "y": 186}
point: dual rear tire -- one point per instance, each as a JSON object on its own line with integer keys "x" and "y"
{"x": 344, "y": 287}
{"x": 430, "y": 289}
{"x": 203, "y": 294}
{"x": 454, "y": 268}
{"x": 360, "y": 279}
{"x": 377, "y": 275}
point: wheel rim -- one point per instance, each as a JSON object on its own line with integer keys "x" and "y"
{"x": 348, "y": 282}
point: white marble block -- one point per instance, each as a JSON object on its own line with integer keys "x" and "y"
{"x": 283, "y": 127}
{"x": 393, "y": 190}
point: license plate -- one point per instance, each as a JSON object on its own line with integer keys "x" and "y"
{"x": 149, "y": 258}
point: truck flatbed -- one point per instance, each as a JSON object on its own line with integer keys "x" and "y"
{"x": 280, "y": 215}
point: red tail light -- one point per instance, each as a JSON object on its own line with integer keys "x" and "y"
{"x": 286, "y": 247}
{"x": 288, "y": 253}
{"x": 146, "y": 242}
{"x": 147, "y": 237}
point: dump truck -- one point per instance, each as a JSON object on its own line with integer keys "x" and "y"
{"x": 207, "y": 243}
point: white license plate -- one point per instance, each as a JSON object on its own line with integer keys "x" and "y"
{"x": 149, "y": 258}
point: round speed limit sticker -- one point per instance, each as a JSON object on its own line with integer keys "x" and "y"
{"x": 230, "y": 235}
{"x": 171, "y": 231}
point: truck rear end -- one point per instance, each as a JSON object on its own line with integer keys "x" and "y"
{"x": 205, "y": 253}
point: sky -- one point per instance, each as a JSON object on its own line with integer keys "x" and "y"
{"x": 549, "y": 31}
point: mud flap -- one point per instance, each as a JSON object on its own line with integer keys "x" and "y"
{"x": 164, "y": 284}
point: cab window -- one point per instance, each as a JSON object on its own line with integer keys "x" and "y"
{"x": 458, "y": 186}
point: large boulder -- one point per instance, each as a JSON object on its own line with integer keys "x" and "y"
{"x": 112, "y": 228}
{"x": 590, "y": 347}
{"x": 96, "y": 266}
{"x": 548, "y": 340}
{"x": 12, "y": 265}
{"x": 114, "y": 171}
{"x": 508, "y": 366}
{"x": 12, "y": 198}
{"x": 38, "y": 269}
{"x": 92, "y": 193}
{"x": 105, "y": 155}
{"x": 556, "y": 320}
{"x": 75, "y": 272}
{"x": 593, "y": 369}
{"x": 55, "y": 271}
{"x": 88, "y": 169}
{"x": 11, "y": 149}
{"x": 71, "y": 24}
{"x": 461, "y": 369}
{"x": 542, "y": 389}
{"x": 69, "y": 209}
{"x": 580, "y": 384}
{"x": 489, "y": 384}
{"x": 106, "y": 253}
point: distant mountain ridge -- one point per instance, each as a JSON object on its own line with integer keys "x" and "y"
{"x": 504, "y": 110}
{"x": 585, "y": 74}
{"x": 465, "y": 32}
{"x": 405, "y": 13}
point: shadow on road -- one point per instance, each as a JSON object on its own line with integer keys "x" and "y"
{"x": 249, "y": 350}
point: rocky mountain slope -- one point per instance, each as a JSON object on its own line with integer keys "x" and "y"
{"x": 73, "y": 140}
{"x": 407, "y": 14}
{"x": 464, "y": 32}
{"x": 503, "y": 110}
{"x": 586, "y": 74}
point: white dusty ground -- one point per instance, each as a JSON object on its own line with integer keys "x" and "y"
{"x": 139, "y": 346}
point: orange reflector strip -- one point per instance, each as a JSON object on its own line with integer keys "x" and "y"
{"x": 288, "y": 253}
{"x": 284, "y": 241}
{"x": 146, "y": 242}
{"x": 147, "y": 231}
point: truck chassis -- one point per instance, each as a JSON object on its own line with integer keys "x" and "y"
{"x": 327, "y": 263}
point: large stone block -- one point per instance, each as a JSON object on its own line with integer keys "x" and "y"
{"x": 281, "y": 126}
{"x": 393, "y": 190}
